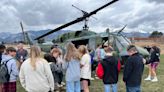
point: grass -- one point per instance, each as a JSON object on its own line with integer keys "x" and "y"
{"x": 147, "y": 86}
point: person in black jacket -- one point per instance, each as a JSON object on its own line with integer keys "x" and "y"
{"x": 154, "y": 61}
{"x": 108, "y": 70}
{"x": 133, "y": 70}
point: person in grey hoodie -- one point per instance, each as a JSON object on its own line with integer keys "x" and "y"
{"x": 12, "y": 69}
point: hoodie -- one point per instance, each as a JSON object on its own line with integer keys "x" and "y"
{"x": 12, "y": 67}
{"x": 109, "y": 69}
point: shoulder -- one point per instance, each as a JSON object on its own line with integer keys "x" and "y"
{"x": 86, "y": 56}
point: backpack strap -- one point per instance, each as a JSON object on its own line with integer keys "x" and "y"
{"x": 6, "y": 64}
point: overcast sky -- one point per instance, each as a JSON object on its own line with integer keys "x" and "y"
{"x": 139, "y": 15}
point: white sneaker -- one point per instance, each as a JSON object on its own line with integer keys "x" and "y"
{"x": 63, "y": 83}
{"x": 148, "y": 78}
{"x": 92, "y": 79}
{"x": 154, "y": 80}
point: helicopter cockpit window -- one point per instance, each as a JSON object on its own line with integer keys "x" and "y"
{"x": 111, "y": 39}
{"x": 122, "y": 43}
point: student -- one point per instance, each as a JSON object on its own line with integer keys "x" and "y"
{"x": 154, "y": 62}
{"x": 133, "y": 70}
{"x": 35, "y": 73}
{"x": 99, "y": 53}
{"x": 85, "y": 64}
{"x": 56, "y": 67}
{"x": 108, "y": 70}
{"x": 72, "y": 67}
{"x": 2, "y": 49}
{"x": 21, "y": 54}
{"x": 10, "y": 86}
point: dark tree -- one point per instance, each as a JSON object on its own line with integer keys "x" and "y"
{"x": 156, "y": 34}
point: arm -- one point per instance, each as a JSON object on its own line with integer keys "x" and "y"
{"x": 83, "y": 61}
{"x": 49, "y": 76}
{"x": 100, "y": 71}
{"x": 22, "y": 77}
{"x": 127, "y": 70}
{"x": 14, "y": 68}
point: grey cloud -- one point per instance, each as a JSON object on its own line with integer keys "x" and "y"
{"x": 157, "y": 1}
{"x": 37, "y": 13}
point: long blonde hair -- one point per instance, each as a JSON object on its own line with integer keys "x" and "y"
{"x": 82, "y": 50}
{"x": 71, "y": 52}
{"x": 35, "y": 52}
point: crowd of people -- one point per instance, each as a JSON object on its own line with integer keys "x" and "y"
{"x": 45, "y": 73}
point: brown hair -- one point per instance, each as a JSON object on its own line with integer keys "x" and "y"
{"x": 35, "y": 52}
{"x": 10, "y": 49}
{"x": 108, "y": 49}
{"x": 71, "y": 52}
{"x": 56, "y": 50}
{"x": 82, "y": 49}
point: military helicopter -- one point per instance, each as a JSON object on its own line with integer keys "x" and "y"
{"x": 86, "y": 37}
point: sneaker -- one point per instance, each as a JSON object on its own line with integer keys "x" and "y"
{"x": 96, "y": 77}
{"x": 92, "y": 79}
{"x": 148, "y": 78}
{"x": 63, "y": 83}
{"x": 154, "y": 80}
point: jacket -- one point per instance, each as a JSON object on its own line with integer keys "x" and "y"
{"x": 39, "y": 80}
{"x": 133, "y": 70}
{"x": 72, "y": 68}
{"x": 12, "y": 67}
{"x": 108, "y": 70}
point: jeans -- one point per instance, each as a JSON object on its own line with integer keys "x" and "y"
{"x": 73, "y": 86}
{"x": 108, "y": 87}
{"x": 133, "y": 89}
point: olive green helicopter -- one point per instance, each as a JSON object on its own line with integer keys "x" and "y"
{"x": 85, "y": 37}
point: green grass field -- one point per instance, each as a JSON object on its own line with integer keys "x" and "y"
{"x": 147, "y": 86}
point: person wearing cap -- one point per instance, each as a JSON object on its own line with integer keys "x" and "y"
{"x": 133, "y": 70}
{"x": 13, "y": 69}
{"x": 108, "y": 70}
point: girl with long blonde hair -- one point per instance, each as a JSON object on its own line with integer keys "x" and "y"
{"x": 35, "y": 73}
{"x": 72, "y": 66}
{"x": 85, "y": 64}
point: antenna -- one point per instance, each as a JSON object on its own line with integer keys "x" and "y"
{"x": 121, "y": 29}
{"x": 85, "y": 27}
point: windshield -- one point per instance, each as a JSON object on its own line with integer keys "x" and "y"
{"x": 122, "y": 42}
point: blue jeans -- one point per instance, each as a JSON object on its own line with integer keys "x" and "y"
{"x": 108, "y": 87}
{"x": 133, "y": 89}
{"x": 73, "y": 86}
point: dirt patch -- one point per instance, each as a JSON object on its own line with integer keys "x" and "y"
{"x": 142, "y": 44}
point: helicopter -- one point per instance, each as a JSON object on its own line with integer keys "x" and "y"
{"x": 117, "y": 40}
{"x": 86, "y": 37}
{"x": 46, "y": 46}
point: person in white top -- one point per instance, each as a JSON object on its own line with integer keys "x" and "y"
{"x": 35, "y": 73}
{"x": 85, "y": 68}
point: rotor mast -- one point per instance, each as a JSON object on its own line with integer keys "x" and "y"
{"x": 76, "y": 20}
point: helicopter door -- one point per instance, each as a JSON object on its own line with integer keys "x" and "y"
{"x": 92, "y": 43}
{"x": 80, "y": 42}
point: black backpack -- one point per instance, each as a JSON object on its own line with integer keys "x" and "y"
{"x": 4, "y": 72}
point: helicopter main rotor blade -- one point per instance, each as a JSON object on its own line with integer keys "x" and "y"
{"x": 24, "y": 36}
{"x": 77, "y": 20}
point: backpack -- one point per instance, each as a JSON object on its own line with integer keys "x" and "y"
{"x": 4, "y": 72}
